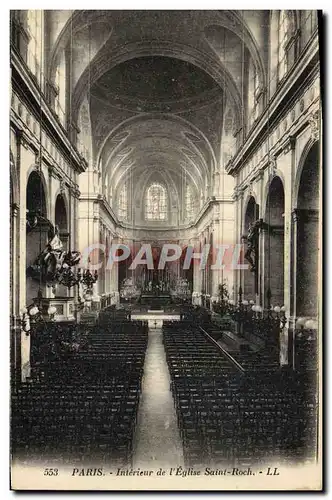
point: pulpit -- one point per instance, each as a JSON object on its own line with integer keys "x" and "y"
{"x": 65, "y": 307}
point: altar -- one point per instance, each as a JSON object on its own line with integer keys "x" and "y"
{"x": 155, "y": 301}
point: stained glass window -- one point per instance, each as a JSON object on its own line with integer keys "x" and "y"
{"x": 253, "y": 89}
{"x": 123, "y": 203}
{"x": 60, "y": 83}
{"x": 84, "y": 138}
{"x": 156, "y": 203}
{"x": 35, "y": 28}
{"x": 309, "y": 24}
{"x": 284, "y": 32}
{"x": 189, "y": 202}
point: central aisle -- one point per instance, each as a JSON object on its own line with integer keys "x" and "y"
{"x": 157, "y": 439}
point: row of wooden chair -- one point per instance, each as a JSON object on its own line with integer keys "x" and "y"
{"x": 225, "y": 416}
{"x": 85, "y": 409}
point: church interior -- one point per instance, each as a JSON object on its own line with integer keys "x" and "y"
{"x": 200, "y": 130}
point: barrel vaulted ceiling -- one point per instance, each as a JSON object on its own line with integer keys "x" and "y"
{"x": 158, "y": 84}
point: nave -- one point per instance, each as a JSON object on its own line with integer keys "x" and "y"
{"x": 133, "y": 396}
{"x": 157, "y": 440}
{"x": 166, "y": 180}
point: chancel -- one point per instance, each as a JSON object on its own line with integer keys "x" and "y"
{"x": 165, "y": 190}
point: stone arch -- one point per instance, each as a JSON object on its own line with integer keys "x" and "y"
{"x": 60, "y": 213}
{"x": 37, "y": 238}
{"x": 306, "y": 232}
{"x": 251, "y": 214}
{"x": 278, "y": 174}
{"x": 274, "y": 242}
{"x": 64, "y": 197}
{"x": 125, "y": 125}
{"x": 37, "y": 191}
{"x": 311, "y": 143}
{"x": 250, "y": 196}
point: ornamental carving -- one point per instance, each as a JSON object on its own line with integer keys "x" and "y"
{"x": 62, "y": 186}
{"x": 314, "y": 124}
{"x": 273, "y": 165}
{"x": 289, "y": 144}
{"x": 312, "y": 94}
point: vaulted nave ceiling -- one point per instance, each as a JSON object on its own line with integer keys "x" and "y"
{"x": 158, "y": 84}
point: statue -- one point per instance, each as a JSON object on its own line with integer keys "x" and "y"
{"x": 32, "y": 220}
{"x": 53, "y": 260}
{"x": 252, "y": 241}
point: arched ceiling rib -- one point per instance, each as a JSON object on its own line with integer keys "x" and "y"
{"x": 137, "y": 33}
{"x": 164, "y": 141}
{"x": 158, "y": 84}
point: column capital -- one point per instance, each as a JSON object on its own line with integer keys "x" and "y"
{"x": 289, "y": 144}
{"x": 50, "y": 171}
{"x": 314, "y": 124}
{"x": 22, "y": 138}
{"x": 238, "y": 193}
{"x": 15, "y": 208}
{"x": 295, "y": 214}
{"x": 63, "y": 186}
{"x": 259, "y": 175}
{"x": 273, "y": 164}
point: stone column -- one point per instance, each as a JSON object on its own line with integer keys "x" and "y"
{"x": 15, "y": 341}
{"x": 263, "y": 265}
{"x": 50, "y": 206}
{"x": 115, "y": 272}
{"x": 289, "y": 168}
{"x": 239, "y": 272}
{"x": 238, "y": 229}
{"x": 194, "y": 242}
{"x": 292, "y": 311}
{"x": 260, "y": 268}
{"x": 25, "y": 158}
{"x": 286, "y": 336}
{"x": 217, "y": 274}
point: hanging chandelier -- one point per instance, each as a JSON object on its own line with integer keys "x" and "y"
{"x": 32, "y": 316}
{"x": 87, "y": 278}
{"x": 68, "y": 278}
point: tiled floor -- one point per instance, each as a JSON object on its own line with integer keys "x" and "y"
{"x": 157, "y": 440}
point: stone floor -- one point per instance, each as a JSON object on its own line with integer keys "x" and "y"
{"x": 157, "y": 439}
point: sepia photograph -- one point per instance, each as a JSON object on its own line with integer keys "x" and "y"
{"x": 166, "y": 248}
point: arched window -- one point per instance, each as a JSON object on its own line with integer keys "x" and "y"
{"x": 35, "y": 47}
{"x": 189, "y": 202}
{"x": 284, "y": 34}
{"x": 60, "y": 85}
{"x": 308, "y": 25}
{"x": 156, "y": 202}
{"x": 123, "y": 203}
{"x": 252, "y": 93}
{"x": 84, "y": 145}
